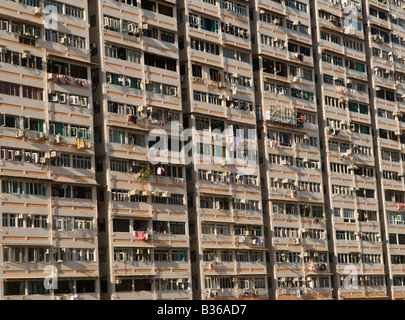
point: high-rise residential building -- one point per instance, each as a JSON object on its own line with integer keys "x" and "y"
{"x": 48, "y": 193}
{"x": 143, "y": 230}
{"x": 223, "y": 185}
{"x": 384, "y": 35}
{"x": 348, "y": 157}
{"x": 290, "y": 155}
{"x": 202, "y": 149}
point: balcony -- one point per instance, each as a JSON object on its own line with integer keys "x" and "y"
{"x": 62, "y": 79}
{"x": 283, "y": 115}
{"x": 129, "y": 238}
{"x": 134, "y": 267}
{"x": 233, "y": 241}
{"x": 314, "y": 268}
{"x": 24, "y": 236}
{"x": 170, "y": 240}
{"x": 140, "y": 209}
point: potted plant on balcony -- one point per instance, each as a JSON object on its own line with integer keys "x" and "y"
{"x": 144, "y": 172}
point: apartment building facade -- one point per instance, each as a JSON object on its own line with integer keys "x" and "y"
{"x": 349, "y": 164}
{"x": 384, "y": 33}
{"x": 48, "y": 194}
{"x": 223, "y": 185}
{"x": 290, "y": 169}
{"x": 142, "y": 197}
{"x": 202, "y": 149}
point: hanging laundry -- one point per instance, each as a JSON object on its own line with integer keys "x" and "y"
{"x": 132, "y": 118}
{"x": 233, "y": 88}
{"x": 140, "y": 234}
{"x": 273, "y": 143}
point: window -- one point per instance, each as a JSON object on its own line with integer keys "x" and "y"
{"x": 167, "y": 36}
{"x": 37, "y": 287}
{"x": 61, "y": 161}
{"x": 120, "y": 225}
{"x": 10, "y": 89}
{"x": 84, "y": 286}
{"x": 160, "y": 62}
{"x": 204, "y": 46}
{"x": 35, "y": 188}
{"x": 14, "y": 288}
{"x": 177, "y": 228}
{"x": 10, "y": 186}
{"x": 81, "y": 162}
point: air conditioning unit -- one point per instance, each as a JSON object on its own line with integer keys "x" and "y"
{"x": 297, "y": 240}
{"x": 54, "y": 154}
{"x": 37, "y": 11}
{"x": 25, "y": 54}
{"x": 20, "y": 134}
{"x": 63, "y": 40}
{"x": 284, "y": 162}
{"x": 42, "y": 160}
{"x": 43, "y": 136}
{"x": 17, "y": 153}
{"x": 58, "y": 138}
{"x": 54, "y": 97}
{"x": 145, "y": 26}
